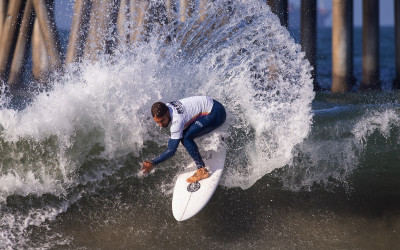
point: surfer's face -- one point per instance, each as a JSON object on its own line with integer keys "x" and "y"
{"x": 162, "y": 121}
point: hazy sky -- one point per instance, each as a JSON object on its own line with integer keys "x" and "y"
{"x": 64, "y": 12}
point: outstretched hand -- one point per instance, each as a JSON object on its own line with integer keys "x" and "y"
{"x": 147, "y": 167}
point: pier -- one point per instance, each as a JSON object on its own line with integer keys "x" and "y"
{"x": 27, "y": 27}
{"x": 396, "y": 81}
{"x": 370, "y": 64}
{"x": 342, "y": 46}
{"x": 342, "y": 42}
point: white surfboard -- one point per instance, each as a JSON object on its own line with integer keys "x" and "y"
{"x": 189, "y": 198}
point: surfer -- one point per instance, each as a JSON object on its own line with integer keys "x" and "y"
{"x": 190, "y": 118}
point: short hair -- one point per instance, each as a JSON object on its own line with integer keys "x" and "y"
{"x": 159, "y": 109}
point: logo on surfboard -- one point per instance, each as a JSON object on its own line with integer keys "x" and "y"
{"x": 193, "y": 187}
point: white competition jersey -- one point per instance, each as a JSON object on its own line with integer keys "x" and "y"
{"x": 183, "y": 112}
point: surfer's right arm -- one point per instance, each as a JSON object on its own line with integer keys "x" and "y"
{"x": 168, "y": 153}
{"x": 172, "y": 147}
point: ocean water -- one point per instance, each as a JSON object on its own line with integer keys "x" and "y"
{"x": 304, "y": 170}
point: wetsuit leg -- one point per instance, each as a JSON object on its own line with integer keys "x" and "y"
{"x": 200, "y": 127}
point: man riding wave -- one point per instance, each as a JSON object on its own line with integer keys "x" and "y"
{"x": 190, "y": 118}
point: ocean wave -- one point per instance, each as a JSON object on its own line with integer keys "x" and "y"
{"x": 81, "y": 130}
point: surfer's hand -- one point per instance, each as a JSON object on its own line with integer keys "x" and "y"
{"x": 147, "y": 167}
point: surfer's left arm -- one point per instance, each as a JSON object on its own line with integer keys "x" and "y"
{"x": 168, "y": 153}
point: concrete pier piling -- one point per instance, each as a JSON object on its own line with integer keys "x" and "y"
{"x": 21, "y": 50}
{"x": 49, "y": 31}
{"x": 3, "y": 12}
{"x": 9, "y": 36}
{"x": 308, "y": 35}
{"x": 103, "y": 20}
{"x": 40, "y": 56}
{"x": 79, "y": 30}
{"x": 138, "y": 19}
{"x": 123, "y": 25}
{"x": 185, "y": 9}
{"x": 170, "y": 6}
{"x": 370, "y": 51}
{"x": 202, "y": 9}
{"x": 342, "y": 46}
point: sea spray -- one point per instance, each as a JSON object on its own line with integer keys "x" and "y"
{"x": 93, "y": 119}
{"x": 340, "y": 142}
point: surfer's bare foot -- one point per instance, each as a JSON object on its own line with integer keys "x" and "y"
{"x": 200, "y": 174}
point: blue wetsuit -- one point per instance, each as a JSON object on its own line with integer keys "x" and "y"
{"x": 199, "y": 127}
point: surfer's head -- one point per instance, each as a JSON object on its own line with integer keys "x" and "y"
{"x": 160, "y": 114}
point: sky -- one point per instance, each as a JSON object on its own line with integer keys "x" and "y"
{"x": 64, "y": 12}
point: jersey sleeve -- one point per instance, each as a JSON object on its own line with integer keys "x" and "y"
{"x": 172, "y": 146}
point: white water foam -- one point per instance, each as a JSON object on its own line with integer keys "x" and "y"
{"x": 248, "y": 61}
{"x": 334, "y": 150}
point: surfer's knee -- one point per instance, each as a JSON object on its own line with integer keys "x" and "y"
{"x": 187, "y": 141}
